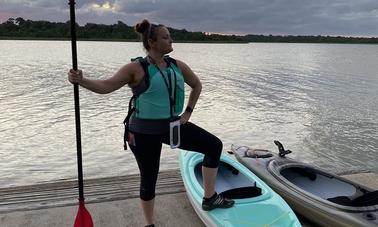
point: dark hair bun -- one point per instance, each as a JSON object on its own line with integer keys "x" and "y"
{"x": 142, "y": 27}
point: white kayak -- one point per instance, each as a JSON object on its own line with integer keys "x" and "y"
{"x": 322, "y": 197}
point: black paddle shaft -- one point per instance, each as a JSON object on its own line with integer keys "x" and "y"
{"x": 77, "y": 103}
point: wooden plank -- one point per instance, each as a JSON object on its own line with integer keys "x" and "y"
{"x": 65, "y": 193}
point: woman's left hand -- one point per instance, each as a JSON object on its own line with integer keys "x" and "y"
{"x": 185, "y": 117}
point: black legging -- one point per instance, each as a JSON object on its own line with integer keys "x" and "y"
{"x": 147, "y": 151}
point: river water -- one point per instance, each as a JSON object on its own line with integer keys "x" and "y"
{"x": 319, "y": 100}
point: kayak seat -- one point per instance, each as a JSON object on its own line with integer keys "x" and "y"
{"x": 242, "y": 192}
{"x": 341, "y": 200}
{"x": 367, "y": 199}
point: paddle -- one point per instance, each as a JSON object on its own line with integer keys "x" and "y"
{"x": 83, "y": 217}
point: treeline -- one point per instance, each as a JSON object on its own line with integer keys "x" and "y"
{"x": 310, "y": 39}
{"x": 20, "y": 28}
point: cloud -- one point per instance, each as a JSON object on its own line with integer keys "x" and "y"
{"x": 296, "y": 17}
{"x": 261, "y": 16}
{"x": 98, "y": 8}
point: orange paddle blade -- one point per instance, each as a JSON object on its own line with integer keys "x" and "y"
{"x": 83, "y": 217}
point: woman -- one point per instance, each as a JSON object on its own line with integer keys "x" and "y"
{"x": 157, "y": 82}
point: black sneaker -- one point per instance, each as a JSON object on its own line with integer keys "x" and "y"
{"x": 216, "y": 201}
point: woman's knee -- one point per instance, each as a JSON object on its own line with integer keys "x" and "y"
{"x": 212, "y": 157}
{"x": 146, "y": 195}
{"x": 148, "y": 181}
{"x": 147, "y": 191}
{"x": 218, "y": 145}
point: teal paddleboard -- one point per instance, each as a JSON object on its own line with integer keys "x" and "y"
{"x": 256, "y": 204}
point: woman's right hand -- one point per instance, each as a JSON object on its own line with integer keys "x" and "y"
{"x": 75, "y": 76}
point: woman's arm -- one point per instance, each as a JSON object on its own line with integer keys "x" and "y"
{"x": 194, "y": 82}
{"x": 125, "y": 75}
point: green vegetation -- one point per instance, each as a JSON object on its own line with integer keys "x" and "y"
{"x": 310, "y": 39}
{"x": 27, "y": 29}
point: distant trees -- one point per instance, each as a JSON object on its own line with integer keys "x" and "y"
{"x": 101, "y": 31}
{"x": 309, "y": 39}
{"x": 34, "y": 29}
{"x": 27, "y": 29}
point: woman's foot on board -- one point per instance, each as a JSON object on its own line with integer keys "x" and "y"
{"x": 216, "y": 201}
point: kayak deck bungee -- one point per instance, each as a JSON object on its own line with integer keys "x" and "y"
{"x": 255, "y": 203}
{"x": 322, "y": 197}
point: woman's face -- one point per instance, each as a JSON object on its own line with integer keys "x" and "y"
{"x": 163, "y": 42}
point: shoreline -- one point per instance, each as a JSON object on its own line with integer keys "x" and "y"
{"x": 113, "y": 40}
{"x": 175, "y": 41}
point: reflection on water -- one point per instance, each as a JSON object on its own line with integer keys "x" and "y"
{"x": 319, "y": 100}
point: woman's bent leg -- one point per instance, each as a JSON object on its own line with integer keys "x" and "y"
{"x": 194, "y": 138}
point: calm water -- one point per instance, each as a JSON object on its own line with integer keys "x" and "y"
{"x": 319, "y": 100}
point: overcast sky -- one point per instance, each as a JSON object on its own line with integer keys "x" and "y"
{"x": 277, "y": 17}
